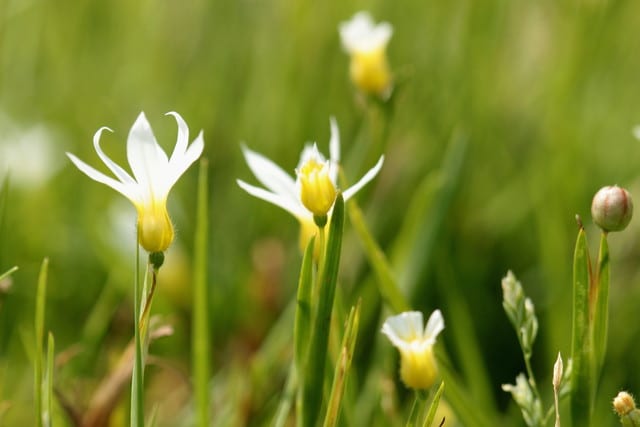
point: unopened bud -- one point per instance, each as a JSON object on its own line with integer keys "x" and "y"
{"x": 623, "y": 403}
{"x": 612, "y": 208}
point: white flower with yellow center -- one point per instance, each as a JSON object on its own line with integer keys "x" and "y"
{"x": 314, "y": 190}
{"x": 153, "y": 176}
{"x": 366, "y": 43}
{"x": 418, "y": 368}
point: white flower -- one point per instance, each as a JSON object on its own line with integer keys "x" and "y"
{"x": 154, "y": 174}
{"x": 283, "y": 191}
{"x": 418, "y": 367}
{"x": 366, "y": 43}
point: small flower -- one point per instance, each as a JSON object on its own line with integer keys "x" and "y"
{"x": 317, "y": 189}
{"x": 153, "y": 176}
{"x": 418, "y": 368}
{"x": 315, "y": 176}
{"x": 366, "y": 43}
{"x": 612, "y": 208}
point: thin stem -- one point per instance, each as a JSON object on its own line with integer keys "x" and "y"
{"x": 415, "y": 410}
{"x": 137, "y": 380}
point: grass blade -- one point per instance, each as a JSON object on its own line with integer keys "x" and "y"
{"x": 581, "y": 380}
{"x": 434, "y": 406}
{"x": 48, "y": 404}
{"x": 343, "y": 366}
{"x": 387, "y": 284}
{"x": 41, "y": 296}
{"x": 313, "y": 375}
{"x": 200, "y": 345}
{"x": 137, "y": 380}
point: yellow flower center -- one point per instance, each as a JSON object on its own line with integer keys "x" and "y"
{"x": 317, "y": 191}
{"x": 155, "y": 231}
{"x": 370, "y": 71}
{"x": 418, "y": 368}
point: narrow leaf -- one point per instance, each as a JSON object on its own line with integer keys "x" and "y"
{"x": 313, "y": 374}
{"x": 41, "y": 295}
{"x": 343, "y": 366}
{"x": 581, "y": 380}
{"x": 434, "y": 406}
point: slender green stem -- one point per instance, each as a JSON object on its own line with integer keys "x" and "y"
{"x": 48, "y": 404}
{"x": 416, "y": 409}
{"x": 137, "y": 380}
{"x": 200, "y": 342}
{"x": 435, "y": 401}
{"x": 287, "y": 398}
{"x": 41, "y": 295}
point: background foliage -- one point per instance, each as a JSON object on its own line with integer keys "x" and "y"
{"x": 545, "y": 92}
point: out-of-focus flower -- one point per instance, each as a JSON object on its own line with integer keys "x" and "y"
{"x": 283, "y": 191}
{"x": 27, "y": 154}
{"x": 366, "y": 43}
{"x": 418, "y": 368}
{"x": 154, "y": 174}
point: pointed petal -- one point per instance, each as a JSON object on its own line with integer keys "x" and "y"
{"x": 435, "y": 325}
{"x": 120, "y": 173}
{"x": 147, "y": 159}
{"x": 293, "y": 206}
{"x": 127, "y": 190}
{"x": 348, "y": 193}
{"x": 270, "y": 175}
{"x": 183, "y": 136}
{"x": 403, "y": 328}
{"x": 181, "y": 163}
{"x": 334, "y": 142}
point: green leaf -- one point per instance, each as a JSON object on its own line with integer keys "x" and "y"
{"x": 343, "y": 366}
{"x": 581, "y": 346}
{"x": 200, "y": 341}
{"x": 313, "y": 375}
{"x": 431, "y": 414}
{"x": 387, "y": 284}
{"x": 302, "y": 323}
{"x": 48, "y": 381}
{"x": 41, "y": 295}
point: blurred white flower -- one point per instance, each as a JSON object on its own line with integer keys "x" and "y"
{"x": 27, "y": 155}
{"x": 283, "y": 191}
{"x": 366, "y": 43}
{"x": 154, "y": 174}
{"x": 418, "y": 368}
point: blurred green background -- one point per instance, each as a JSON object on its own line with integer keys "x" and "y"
{"x": 545, "y": 93}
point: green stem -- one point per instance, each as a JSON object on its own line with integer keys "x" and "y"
{"x": 137, "y": 380}
{"x": 416, "y": 408}
{"x": 41, "y": 295}
{"x": 200, "y": 342}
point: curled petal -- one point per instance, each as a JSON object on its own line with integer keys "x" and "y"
{"x": 293, "y": 206}
{"x": 183, "y": 136}
{"x": 348, "y": 193}
{"x": 127, "y": 190}
{"x": 435, "y": 325}
{"x": 270, "y": 174}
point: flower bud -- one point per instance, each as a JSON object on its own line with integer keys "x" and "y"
{"x": 317, "y": 191}
{"x": 623, "y": 403}
{"x": 612, "y": 208}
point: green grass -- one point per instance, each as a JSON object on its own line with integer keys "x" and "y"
{"x": 508, "y": 117}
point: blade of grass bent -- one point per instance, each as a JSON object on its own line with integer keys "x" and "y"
{"x": 387, "y": 284}
{"x": 200, "y": 342}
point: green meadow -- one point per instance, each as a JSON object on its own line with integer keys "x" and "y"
{"x": 502, "y": 121}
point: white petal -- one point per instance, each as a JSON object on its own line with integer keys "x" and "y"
{"x": 310, "y": 151}
{"x": 348, "y": 193}
{"x": 147, "y": 159}
{"x": 120, "y": 173}
{"x": 403, "y": 328}
{"x": 181, "y": 163}
{"x": 361, "y": 34}
{"x": 270, "y": 175}
{"x": 127, "y": 190}
{"x": 334, "y": 142}
{"x": 183, "y": 136}
{"x": 435, "y": 325}
{"x": 293, "y": 206}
